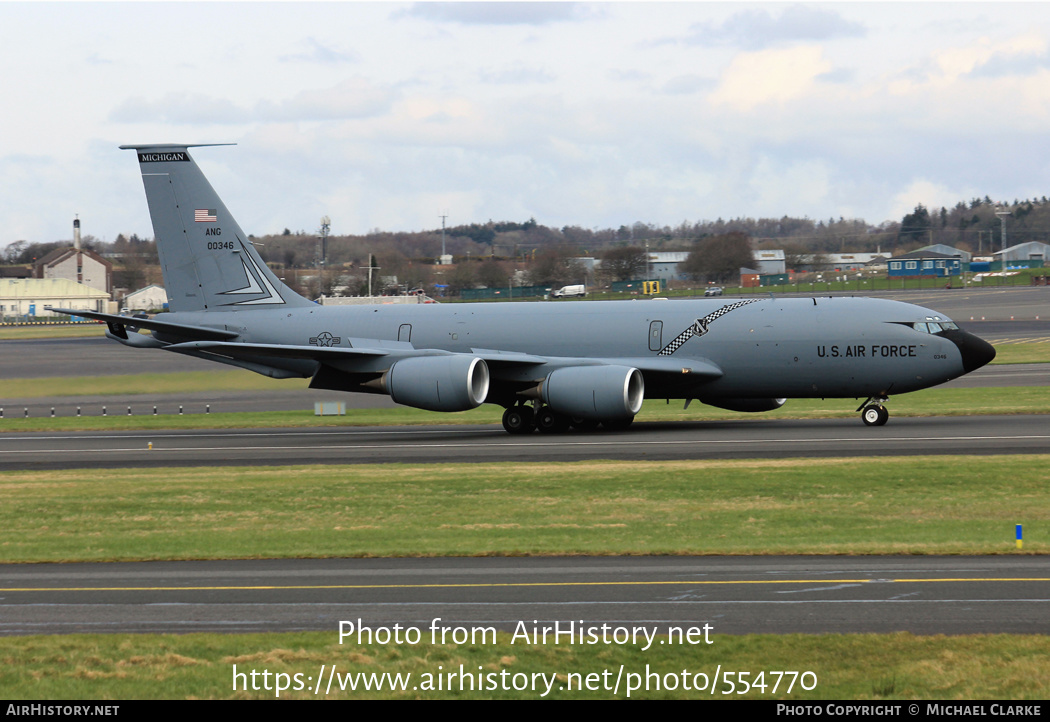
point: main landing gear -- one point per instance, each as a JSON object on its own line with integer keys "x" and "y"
{"x": 518, "y": 419}
{"x": 872, "y": 411}
{"x": 522, "y": 419}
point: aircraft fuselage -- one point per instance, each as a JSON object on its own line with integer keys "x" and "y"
{"x": 765, "y": 347}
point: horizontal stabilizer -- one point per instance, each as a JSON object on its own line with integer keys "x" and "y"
{"x": 315, "y": 353}
{"x": 174, "y": 329}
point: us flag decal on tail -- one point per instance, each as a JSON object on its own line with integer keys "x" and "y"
{"x": 206, "y": 215}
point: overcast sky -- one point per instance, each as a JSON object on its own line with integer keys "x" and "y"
{"x": 382, "y": 115}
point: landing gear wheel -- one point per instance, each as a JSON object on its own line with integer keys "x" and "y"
{"x": 518, "y": 420}
{"x": 875, "y": 415}
{"x": 549, "y": 421}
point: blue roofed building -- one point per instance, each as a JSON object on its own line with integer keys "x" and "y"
{"x": 924, "y": 264}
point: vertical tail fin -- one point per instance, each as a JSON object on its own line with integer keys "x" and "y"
{"x": 207, "y": 261}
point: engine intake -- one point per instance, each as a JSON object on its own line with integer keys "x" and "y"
{"x": 594, "y": 392}
{"x": 439, "y": 383}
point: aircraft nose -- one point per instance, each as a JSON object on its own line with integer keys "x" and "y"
{"x": 976, "y": 352}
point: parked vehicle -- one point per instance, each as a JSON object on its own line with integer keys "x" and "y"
{"x": 569, "y": 291}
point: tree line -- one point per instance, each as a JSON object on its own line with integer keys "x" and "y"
{"x": 495, "y": 254}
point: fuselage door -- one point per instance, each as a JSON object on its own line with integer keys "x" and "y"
{"x": 656, "y": 333}
{"x": 404, "y": 333}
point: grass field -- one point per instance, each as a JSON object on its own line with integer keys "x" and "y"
{"x": 81, "y": 330}
{"x": 841, "y": 667}
{"x": 1037, "y": 352}
{"x": 221, "y": 379}
{"x": 912, "y": 505}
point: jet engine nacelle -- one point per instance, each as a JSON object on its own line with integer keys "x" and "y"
{"x": 594, "y": 392}
{"x": 439, "y": 383}
{"x": 748, "y": 405}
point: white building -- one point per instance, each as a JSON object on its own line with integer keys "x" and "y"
{"x": 27, "y": 297}
{"x": 770, "y": 262}
{"x": 1031, "y": 251}
{"x": 146, "y": 299}
{"x": 851, "y": 261}
{"x": 948, "y": 251}
{"x": 86, "y": 267}
{"x": 664, "y": 265}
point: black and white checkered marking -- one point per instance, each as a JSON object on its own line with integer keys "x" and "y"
{"x": 701, "y": 325}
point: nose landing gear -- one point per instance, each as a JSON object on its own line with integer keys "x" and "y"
{"x": 872, "y": 411}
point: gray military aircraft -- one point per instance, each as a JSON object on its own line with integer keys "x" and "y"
{"x": 550, "y": 365}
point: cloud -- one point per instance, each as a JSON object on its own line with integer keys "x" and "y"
{"x": 353, "y": 98}
{"x": 1000, "y": 65}
{"x": 317, "y": 53}
{"x": 838, "y": 75}
{"x": 350, "y": 99}
{"x": 687, "y": 84}
{"x": 987, "y": 59}
{"x": 769, "y": 76}
{"x": 497, "y": 13}
{"x": 929, "y": 194}
{"x": 757, "y": 29}
{"x": 628, "y": 76}
{"x": 517, "y": 75}
{"x": 179, "y": 109}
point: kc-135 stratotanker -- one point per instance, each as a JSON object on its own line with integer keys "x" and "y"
{"x": 551, "y": 366}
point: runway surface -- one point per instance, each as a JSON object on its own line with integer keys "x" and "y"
{"x": 656, "y": 440}
{"x": 735, "y": 595}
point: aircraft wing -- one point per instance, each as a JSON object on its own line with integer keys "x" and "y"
{"x": 498, "y": 358}
{"x": 122, "y": 322}
{"x": 654, "y": 364}
{"x": 372, "y": 348}
{"x": 664, "y": 365}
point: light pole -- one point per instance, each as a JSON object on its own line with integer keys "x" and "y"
{"x": 444, "y": 215}
{"x": 326, "y": 224}
{"x": 1003, "y": 213}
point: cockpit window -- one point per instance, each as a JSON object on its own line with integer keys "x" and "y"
{"x": 934, "y": 326}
